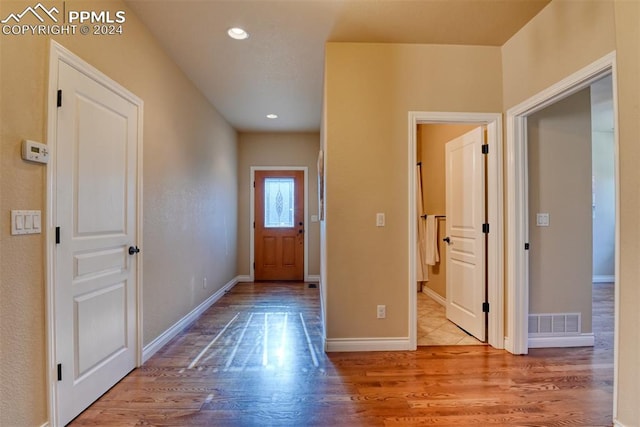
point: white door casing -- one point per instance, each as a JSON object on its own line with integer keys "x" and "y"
{"x": 465, "y": 210}
{"x": 94, "y": 203}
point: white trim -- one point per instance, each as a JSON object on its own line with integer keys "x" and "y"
{"x": 434, "y": 296}
{"x": 582, "y": 340}
{"x": 57, "y": 54}
{"x": 604, "y": 279}
{"x": 45, "y": 424}
{"x": 252, "y": 175}
{"x": 367, "y": 344}
{"x": 162, "y": 339}
{"x": 517, "y": 209}
{"x": 312, "y": 278}
{"x": 517, "y": 198}
{"x": 617, "y": 423}
{"x": 243, "y": 279}
{"x": 495, "y": 252}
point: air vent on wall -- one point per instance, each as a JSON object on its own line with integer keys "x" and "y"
{"x": 549, "y": 324}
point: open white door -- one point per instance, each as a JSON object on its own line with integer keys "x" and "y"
{"x": 465, "y": 209}
{"x": 95, "y": 208}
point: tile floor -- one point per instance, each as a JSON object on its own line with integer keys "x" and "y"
{"x": 435, "y": 329}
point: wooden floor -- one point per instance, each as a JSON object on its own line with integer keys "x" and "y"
{"x": 255, "y": 359}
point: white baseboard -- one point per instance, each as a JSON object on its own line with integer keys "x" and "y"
{"x": 434, "y": 295}
{"x": 604, "y": 279}
{"x": 582, "y": 340}
{"x": 312, "y": 278}
{"x": 617, "y": 423}
{"x": 45, "y": 424}
{"x": 366, "y": 344}
{"x": 155, "y": 345}
{"x": 243, "y": 279}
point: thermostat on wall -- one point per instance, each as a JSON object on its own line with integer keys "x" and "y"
{"x": 35, "y": 151}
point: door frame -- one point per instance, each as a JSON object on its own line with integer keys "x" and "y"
{"x": 252, "y": 213}
{"x": 57, "y": 54}
{"x": 517, "y": 175}
{"x": 494, "y": 188}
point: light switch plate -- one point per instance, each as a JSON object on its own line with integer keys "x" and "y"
{"x": 379, "y": 220}
{"x": 26, "y": 222}
{"x": 542, "y": 220}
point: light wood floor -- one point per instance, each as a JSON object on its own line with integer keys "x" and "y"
{"x": 255, "y": 359}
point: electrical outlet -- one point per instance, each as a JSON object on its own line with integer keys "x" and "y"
{"x": 382, "y": 311}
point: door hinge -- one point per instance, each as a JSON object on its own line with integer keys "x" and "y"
{"x": 254, "y": 224}
{"x": 59, "y": 371}
{"x": 485, "y": 307}
{"x": 485, "y": 228}
{"x": 526, "y": 246}
{"x": 57, "y": 235}
{"x": 59, "y": 101}
{"x": 485, "y": 148}
{"x": 254, "y": 265}
{"x": 254, "y": 184}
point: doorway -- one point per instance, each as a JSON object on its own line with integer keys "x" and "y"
{"x": 279, "y": 206}
{"x": 452, "y": 200}
{"x": 571, "y": 198}
{"x": 517, "y": 197}
{"x": 494, "y": 202}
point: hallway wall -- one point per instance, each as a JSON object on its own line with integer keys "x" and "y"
{"x": 189, "y": 205}
{"x": 277, "y": 149}
{"x": 370, "y": 88}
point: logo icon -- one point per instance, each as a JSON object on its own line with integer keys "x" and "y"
{"x": 38, "y": 11}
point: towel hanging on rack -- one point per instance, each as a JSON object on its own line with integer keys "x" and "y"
{"x": 432, "y": 254}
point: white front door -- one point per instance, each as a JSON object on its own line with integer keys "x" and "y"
{"x": 95, "y": 208}
{"x": 465, "y": 209}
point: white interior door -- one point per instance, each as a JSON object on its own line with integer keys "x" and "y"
{"x": 465, "y": 209}
{"x": 95, "y": 209}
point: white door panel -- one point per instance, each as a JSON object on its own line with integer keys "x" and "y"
{"x": 95, "y": 208}
{"x": 465, "y": 209}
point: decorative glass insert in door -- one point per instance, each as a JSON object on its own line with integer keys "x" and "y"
{"x": 278, "y": 202}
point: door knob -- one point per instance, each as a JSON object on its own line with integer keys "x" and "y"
{"x": 447, "y": 239}
{"x": 133, "y": 250}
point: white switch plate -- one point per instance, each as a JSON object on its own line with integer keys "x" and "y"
{"x": 379, "y": 220}
{"x": 314, "y": 218}
{"x": 381, "y": 311}
{"x": 26, "y": 222}
{"x": 542, "y": 220}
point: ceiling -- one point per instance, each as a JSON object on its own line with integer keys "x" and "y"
{"x": 279, "y": 68}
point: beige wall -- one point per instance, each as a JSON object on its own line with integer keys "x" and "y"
{"x": 627, "y": 18}
{"x": 431, "y": 152}
{"x": 190, "y": 182}
{"x": 559, "y": 159}
{"x": 370, "y": 88}
{"x": 563, "y": 38}
{"x": 277, "y": 149}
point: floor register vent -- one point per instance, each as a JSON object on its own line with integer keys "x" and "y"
{"x": 550, "y": 324}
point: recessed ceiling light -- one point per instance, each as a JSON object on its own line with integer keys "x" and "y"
{"x": 272, "y": 116}
{"x": 237, "y": 33}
